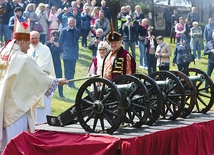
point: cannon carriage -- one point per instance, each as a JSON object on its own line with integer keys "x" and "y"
{"x": 102, "y": 105}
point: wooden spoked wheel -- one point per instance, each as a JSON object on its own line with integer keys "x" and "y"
{"x": 99, "y": 106}
{"x": 190, "y": 92}
{"x": 204, "y": 90}
{"x": 174, "y": 96}
{"x": 137, "y": 102}
{"x": 155, "y": 98}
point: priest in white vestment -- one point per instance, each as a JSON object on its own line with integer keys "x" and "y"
{"x": 41, "y": 54}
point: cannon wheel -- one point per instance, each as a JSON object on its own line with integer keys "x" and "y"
{"x": 190, "y": 93}
{"x": 155, "y": 97}
{"x": 137, "y": 103}
{"x": 99, "y": 106}
{"x": 174, "y": 97}
{"x": 204, "y": 95}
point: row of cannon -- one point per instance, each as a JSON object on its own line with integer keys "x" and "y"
{"x": 102, "y": 105}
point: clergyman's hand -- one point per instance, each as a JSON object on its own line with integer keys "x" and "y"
{"x": 62, "y": 81}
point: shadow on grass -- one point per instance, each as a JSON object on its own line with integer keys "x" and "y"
{"x": 65, "y": 99}
{"x": 84, "y": 62}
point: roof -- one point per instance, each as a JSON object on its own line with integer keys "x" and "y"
{"x": 182, "y": 3}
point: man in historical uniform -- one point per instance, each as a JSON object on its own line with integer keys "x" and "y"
{"x": 22, "y": 84}
{"x": 118, "y": 61}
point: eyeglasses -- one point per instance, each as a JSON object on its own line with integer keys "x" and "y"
{"x": 53, "y": 10}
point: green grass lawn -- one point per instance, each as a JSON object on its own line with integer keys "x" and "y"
{"x": 85, "y": 57}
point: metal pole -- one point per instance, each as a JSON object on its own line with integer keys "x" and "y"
{"x": 85, "y": 78}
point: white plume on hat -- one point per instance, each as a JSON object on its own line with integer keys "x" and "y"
{"x": 104, "y": 44}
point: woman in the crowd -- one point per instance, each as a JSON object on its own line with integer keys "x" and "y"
{"x": 89, "y": 5}
{"x": 94, "y": 15}
{"x": 180, "y": 29}
{"x": 40, "y": 11}
{"x": 196, "y": 42}
{"x": 163, "y": 53}
{"x": 181, "y": 49}
{"x": 54, "y": 23}
{"x": 30, "y": 13}
{"x": 150, "y": 48}
{"x": 142, "y": 36}
{"x": 34, "y": 7}
{"x": 97, "y": 63}
{"x": 138, "y": 13}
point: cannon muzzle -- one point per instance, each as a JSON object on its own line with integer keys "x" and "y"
{"x": 127, "y": 87}
{"x": 199, "y": 77}
{"x": 167, "y": 83}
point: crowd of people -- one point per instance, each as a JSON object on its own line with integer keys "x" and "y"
{"x": 52, "y": 31}
{"x": 90, "y": 17}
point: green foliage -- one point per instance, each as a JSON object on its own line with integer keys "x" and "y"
{"x": 85, "y": 57}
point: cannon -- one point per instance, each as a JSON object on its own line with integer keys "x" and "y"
{"x": 156, "y": 96}
{"x": 197, "y": 94}
{"x": 102, "y": 105}
{"x": 204, "y": 88}
{"x": 167, "y": 95}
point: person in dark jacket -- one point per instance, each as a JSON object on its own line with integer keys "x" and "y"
{"x": 130, "y": 29}
{"x": 14, "y": 4}
{"x": 181, "y": 48}
{"x": 95, "y": 41}
{"x": 188, "y": 28}
{"x": 175, "y": 17}
{"x": 121, "y": 19}
{"x": 56, "y": 49}
{"x": 69, "y": 37}
{"x": 76, "y": 15}
{"x": 151, "y": 48}
{"x": 208, "y": 30}
{"x": 193, "y": 15}
{"x": 4, "y": 20}
{"x": 85, "y": 25}
{"x": 167, "y": 17}
{"x": 55, "y": 3}
{"x": 142, "y": 37}
{"x": 209, "y": 50}
{"x": 138, "y": 14}
{"x": 106, "y": 10}
{"x": 63, "y": 18}
{"x": 19, "y": 15}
